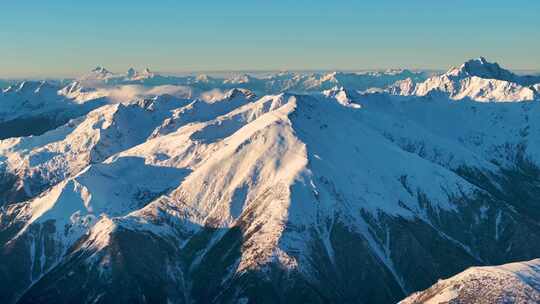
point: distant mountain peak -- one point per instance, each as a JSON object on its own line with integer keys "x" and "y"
{"x": 98, "y": 72}
{"x": 240, "y": 93}
{"x": 477, "y": 79}
{"x": 134, "y": 74}
{"x": 202, "y": 78}
{"x": 100, "y": 69}
{"x": 131, "y": 72}
{"x": 481, "y": 67}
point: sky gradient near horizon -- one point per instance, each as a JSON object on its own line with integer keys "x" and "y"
{"x": 66, "y": 38}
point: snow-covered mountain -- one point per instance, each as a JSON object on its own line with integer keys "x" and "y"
{"x": 33, "y": 107}
{"x": 329, "y": 196}
{"x": 5, "y": 84}
{"x": 480, "y": 67}
{"x": 100, "y": 76}
{"x": 476, "y": 79}
{"x": 510, "y": 283}
{"x": 273, "y": 83}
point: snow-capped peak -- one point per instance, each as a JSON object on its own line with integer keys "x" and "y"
{"x": 480, "y": 67}
{"x": 133, "y": 74}
{"x": 101, "y": 70}
{"x": 98, "y": 73}
{"x": 476, "y": 79}
{"x": 240, "y": 93}
{"x": 343, "y": 96}
{"x": 202, "y": 78}
{"x": 332, "y": 76}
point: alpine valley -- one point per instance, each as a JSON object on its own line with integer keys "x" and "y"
{"x": 271, "y": 188}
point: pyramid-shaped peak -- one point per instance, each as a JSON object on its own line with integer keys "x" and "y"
{"x": 481, "y": 67}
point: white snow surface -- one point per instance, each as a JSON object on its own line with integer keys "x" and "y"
{"x": 510, "y": 283}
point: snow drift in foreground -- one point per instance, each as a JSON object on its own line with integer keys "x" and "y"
{"x": 510, "y": 283}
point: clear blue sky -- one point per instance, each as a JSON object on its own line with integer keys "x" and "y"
{"x": 68, "y": 37}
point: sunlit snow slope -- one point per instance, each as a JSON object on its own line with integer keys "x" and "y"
{"x": 510, "y": 283}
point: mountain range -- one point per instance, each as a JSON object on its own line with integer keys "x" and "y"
{"x": 287, "y": 188}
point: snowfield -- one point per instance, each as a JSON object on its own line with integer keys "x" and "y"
{"x": 290, "y": 187}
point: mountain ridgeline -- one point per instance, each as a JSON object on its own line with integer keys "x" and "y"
{"x": 282, "y": 188}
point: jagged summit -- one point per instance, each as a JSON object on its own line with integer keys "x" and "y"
{"x": 203, "y": 78}
{"x": 476, "y": 79}
{"x": 482, "y": 68}
{"x": 100, "y": 70}
{"x": 240, "y": 93}
{"x": 98, "y": 73}
{"x": 344, "y": 96}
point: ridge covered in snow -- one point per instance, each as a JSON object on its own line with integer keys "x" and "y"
{"x": 476, "y": 79}
{"x": 480, "y": 67}
{"x": 509, "y": 283}
{"x": 33, "y": 107}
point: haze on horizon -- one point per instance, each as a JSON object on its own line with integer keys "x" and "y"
{"x": 64, "y": 39}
